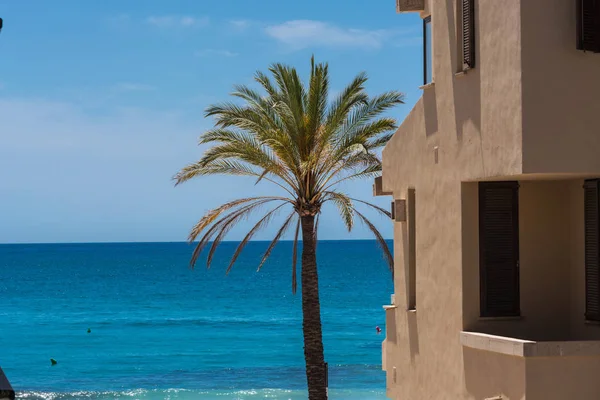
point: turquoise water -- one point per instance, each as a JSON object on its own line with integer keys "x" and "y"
{"x": 161, "y": 331}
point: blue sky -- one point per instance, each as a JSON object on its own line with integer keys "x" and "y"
{"x": 102, "y": 102}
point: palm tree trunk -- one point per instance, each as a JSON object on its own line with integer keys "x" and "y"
{"x": 311, "y": 312}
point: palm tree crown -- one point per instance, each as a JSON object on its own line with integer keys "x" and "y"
{"x": 292, "y": 137}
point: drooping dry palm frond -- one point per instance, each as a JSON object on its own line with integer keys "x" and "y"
{"x": 380, "y": 240}
{"x": 275, "y": 240}
{"x": 260, "y": 224}
{"x": 291, "y": 135}
{"x": 345, "y": 206}
{"x": 223, "y": 225}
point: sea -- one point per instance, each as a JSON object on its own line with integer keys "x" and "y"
{"x": 133, "y": 321}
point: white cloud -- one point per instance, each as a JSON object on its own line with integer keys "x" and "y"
{"x": 215, "y": 53}
{"x": 240, "y": 24}
{"x": 306, "y": 33}
{"x": 300, "y": 34}
{"x": 172, "y": 21}
{"x": 132, "y": 87}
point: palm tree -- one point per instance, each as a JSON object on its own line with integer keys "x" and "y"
{"x": 291, "y": 136}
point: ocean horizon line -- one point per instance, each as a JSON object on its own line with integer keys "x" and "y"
{"x": 176, "y": 242}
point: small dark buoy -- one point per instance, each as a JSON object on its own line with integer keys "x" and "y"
{"x": 89, "y": 330}
{"x": 53, "y": 361}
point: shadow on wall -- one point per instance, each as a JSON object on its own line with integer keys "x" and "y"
{"x": 467, "y": 100}
{"x": 488, "y": 375}
{"x": 430, "y": 111}
{"x": 413, "y": 334}
{"x": 406, "y": 254}
{"x": 411, "y": 316}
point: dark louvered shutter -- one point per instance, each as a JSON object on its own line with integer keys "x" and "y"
{"x": 592, "y": 254}
{"x": 468, "y": 33}
{"x": 499, "y": 248}
{"x": 588, "y": 25}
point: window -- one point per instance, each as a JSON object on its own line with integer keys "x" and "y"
{"x": 588, "y": 25}
{"x": 468, "y": 33}
{"x": 412, "y": 252}
{"x": 592, "y": 237}
{"x": 427, "y": 52}
{"x": 499, "y": 249}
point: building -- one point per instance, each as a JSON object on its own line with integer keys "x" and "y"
{"x": 494, "y": 176}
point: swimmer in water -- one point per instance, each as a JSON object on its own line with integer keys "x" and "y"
{"x": 378, "y": 329}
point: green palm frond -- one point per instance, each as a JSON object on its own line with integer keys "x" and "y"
{"x": 371, "y": 109}
{"x": 251, "y": 96}
{"x": 363, "y": 133}
{"x": 352, "y": 96}
{"x": 379, "y": 142}
{"x": 316, "y": 107}
{"x": 217, "y": 167}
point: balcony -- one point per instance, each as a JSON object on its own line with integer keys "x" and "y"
{"x": 498, "y": 367}
{"x": 403, "y": 6}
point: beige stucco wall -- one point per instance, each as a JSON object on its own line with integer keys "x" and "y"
{"x": 560, "y": 92}
{"x": 560, "y": 378}
{"x": 490, "y": 374}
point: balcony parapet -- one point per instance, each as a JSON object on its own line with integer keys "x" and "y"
{"x": 528, "y": 348}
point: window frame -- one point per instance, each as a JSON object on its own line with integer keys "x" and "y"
{"x": 465, "y": 66}
{"x": 411, "y": 284}
{"x": 595, "y": 185}
{"x": 427, "y": 21}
